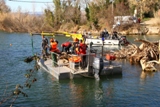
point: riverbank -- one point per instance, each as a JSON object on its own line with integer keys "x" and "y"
{"x": 26, "y": 23}
{"x": 149, "y": 27}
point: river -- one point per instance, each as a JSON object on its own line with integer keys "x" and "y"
{"x": 133, "y": 89}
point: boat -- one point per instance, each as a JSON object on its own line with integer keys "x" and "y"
{"x": 121, "y": 40}
{"x": 97, "y": 67}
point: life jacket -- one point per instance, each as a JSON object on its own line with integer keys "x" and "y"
{"x": 75, "y": 59}
{"x": 82, "y": 48}
{"x": 77, "y": 50}
{"x": 53, "y": 47}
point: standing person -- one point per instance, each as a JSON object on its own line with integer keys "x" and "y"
{"x": 82, "y": 52}
{"x": 75, "y": 42}
{"x": 66, "y": 46}
{"x": 104, "y": 33}
{"x": 53, "y": 50}
{"x": 44, "y": 46}
{"x": 115, "y": 35}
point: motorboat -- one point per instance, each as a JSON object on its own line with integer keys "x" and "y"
{"x": 121, "y": 40}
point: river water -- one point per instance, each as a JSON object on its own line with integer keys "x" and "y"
{"x": 133, "y": 89}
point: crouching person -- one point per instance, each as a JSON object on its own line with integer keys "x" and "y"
{"x": 66, "y": 46}
{"x": 54, "y": 50}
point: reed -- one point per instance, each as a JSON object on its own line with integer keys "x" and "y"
{"x": 23, "y": 22}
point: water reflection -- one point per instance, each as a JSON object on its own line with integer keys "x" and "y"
{"x": 77, "y": 93}
{"x": 86, "y": 93}
{"x": 110, "y": 90}
{"x": 98, "y": 92}
{"x": 145, "y": 75}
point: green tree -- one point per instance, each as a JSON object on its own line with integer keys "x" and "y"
{"x": 57, "y": 12}
{"x": 49, "y": 17}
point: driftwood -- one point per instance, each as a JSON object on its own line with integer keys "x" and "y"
{"x": 146, "y": 54}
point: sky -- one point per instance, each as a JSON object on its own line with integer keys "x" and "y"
{"x": 29, "y": 5}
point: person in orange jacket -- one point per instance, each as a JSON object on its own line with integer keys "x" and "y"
{"x": 54, "y": 50}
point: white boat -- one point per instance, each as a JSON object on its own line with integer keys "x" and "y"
{"x": 100, "y": 42}
{"x": 108, "y": 41}
{"x": 96, "y": 68}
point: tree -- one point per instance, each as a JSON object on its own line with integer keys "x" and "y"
{"x": 72, "y": 12}
{"x": 3, "y": 7}
{"x": 49, "y": 17}
{"x": 57, "y": 11}
{"x": 144, "y": 6}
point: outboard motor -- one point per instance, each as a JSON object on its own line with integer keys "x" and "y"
{"x": 90, "y": 64}
{"x": 123, "y": 40}
{"x": 97, "y": 66}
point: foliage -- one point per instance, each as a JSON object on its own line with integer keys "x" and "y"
{"x": 144, "y": 6}
{"x": 49, "y": 17}
{"x": 3, "y": 7}
{"x": 95, "y": 14}
{"x": 57, "y": 11}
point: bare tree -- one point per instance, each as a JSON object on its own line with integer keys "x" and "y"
{"x": 3, "y": 7}
{"x": 144, "y": 6}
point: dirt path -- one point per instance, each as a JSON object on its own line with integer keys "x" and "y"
{"x": 153, "y": 22}
{"x": 153, "y": 26}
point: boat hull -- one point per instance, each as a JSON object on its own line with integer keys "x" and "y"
{"x": 67, "y": 72}
{"x": 100, "y": 42}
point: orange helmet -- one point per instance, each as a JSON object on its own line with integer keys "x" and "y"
{"x": 51, "y": 40}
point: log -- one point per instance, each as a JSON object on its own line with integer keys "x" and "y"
{"x": 143, "y": 54}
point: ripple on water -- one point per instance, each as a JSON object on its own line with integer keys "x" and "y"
{"x": 133, "y": 88}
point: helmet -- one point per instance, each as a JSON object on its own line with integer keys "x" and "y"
{"x": 51, "y": 40}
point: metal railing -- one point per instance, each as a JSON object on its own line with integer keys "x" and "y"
{"x": 74, "y": 66}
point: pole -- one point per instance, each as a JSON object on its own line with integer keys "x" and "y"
{"x": 102, "y": 45}
{"x": 112, "y": 6}
{"x": 159, "y": 50}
